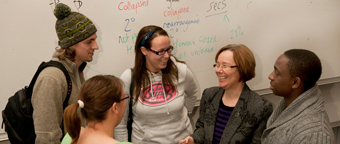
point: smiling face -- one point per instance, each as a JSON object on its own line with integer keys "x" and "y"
{"x": 281, "y": 81}
{"x": 154, "y": 62}
{"x": 228, "y": 78}
{"x": 85, "y": 49}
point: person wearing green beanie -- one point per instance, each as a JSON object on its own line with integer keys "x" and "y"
{"x": 77, "y": 43}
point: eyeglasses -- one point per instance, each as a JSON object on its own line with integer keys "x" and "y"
{"x": 224, "y": 67}
{"x": 162, "y": 52}
{"x": 125, "y": 97}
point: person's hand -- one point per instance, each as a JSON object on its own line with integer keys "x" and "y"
{"x": 187, "y": 140}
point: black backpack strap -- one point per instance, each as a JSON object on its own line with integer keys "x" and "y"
{"x": 42, "y": 66}
{"x": 68, "y": 79}
{"x": 29, "y": 89}
{"x": 131, "y": 84}
{"x": 130, "y": 120}
{"x": 69, "y": 87}
{"x": 57, "y": 64}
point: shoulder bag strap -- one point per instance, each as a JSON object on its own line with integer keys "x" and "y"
{"x": 130, "y": 119}
{"x": 57, "y": 64}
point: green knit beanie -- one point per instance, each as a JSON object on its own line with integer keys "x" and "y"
{"x": 72, "y": 27}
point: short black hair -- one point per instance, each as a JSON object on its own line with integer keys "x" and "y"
{"x": 304, "y": 64}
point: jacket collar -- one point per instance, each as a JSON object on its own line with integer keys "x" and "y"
{"x": 69, "y": 65}
{"x": 82, "y": 67}
{"x": 235, "y": 120}
{"x": 309, "y": 99}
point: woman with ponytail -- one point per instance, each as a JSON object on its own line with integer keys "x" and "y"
{"x": 102, "y": 104}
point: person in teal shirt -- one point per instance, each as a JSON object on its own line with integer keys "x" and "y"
{"x": 102, "y": 104}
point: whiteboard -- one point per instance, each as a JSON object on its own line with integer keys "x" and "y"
{"x": 197, "y": 29}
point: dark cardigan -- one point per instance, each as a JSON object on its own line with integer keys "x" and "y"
{"x": 245, "y": 125}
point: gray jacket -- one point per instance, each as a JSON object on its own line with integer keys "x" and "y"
{"x": 246, "y": 124}
{"x": 49, "y": 93}
{"x": 303, "y": 121}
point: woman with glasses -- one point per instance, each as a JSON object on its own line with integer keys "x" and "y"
{"x": 231, "y": 113}
{"x": 102, "y": 104}
{"x": 163, "y": 92}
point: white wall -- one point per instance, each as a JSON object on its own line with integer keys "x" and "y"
{"x": 267, "y": 27}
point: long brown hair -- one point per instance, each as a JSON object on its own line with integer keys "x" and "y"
{"x": 169, "y": 74}
{"x": 66, "y": 53}
{"x": 98, "y": 95}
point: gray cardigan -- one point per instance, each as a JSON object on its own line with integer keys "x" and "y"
{"x": 303, "y": 121}
{"x": 245, "y": 125}
{"x": 49, "y": 93}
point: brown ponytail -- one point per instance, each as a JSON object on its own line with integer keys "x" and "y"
{"x": 98, "y": 94}
{"x": 72, "y": 122}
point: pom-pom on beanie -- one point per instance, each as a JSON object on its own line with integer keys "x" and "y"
{"x": 72, "y": 27}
